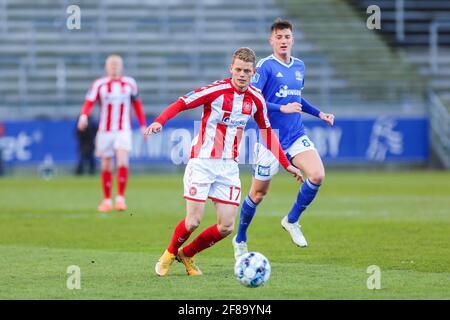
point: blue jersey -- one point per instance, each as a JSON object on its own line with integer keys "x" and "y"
{"x": 281, "y": 84}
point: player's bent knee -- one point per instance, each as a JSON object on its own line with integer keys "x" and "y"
{"x": 192, "y": 224}
{"x": 258, "y": 196}
{"x": 317, "y": 177}
{"x": 122, "y": 164}
{"x": 107, "y": 164}
{"x": 226, "y": 229}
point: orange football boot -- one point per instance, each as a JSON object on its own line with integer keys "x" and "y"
{"x": 189, "y": 264}
{"x": 120, "y": 204}
{"x": 105, "y": 206}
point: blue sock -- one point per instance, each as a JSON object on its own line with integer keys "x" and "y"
{"x": 306, "y": 194}
{"x": 248, "y": 210}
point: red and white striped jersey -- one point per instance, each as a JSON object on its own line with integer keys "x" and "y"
{"x": 225, "y": 115}
{"x": 115, "y": 98}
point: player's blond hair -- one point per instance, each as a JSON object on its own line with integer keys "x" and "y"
{"x": 245, "y": 54}
{"x": 114, "y": 56}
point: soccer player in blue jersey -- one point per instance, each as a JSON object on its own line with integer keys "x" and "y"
{"x": 281, "y": 79}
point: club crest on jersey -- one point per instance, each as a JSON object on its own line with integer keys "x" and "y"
{"x": 247, "y": 108}
{"x": 193, "y": 191}
{"x": 255, "y": 78}
{"x": 298, "y": 76}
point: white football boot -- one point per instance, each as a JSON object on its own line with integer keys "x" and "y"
{"x": 239, "y": 248}
{"x": 295, "y": 231}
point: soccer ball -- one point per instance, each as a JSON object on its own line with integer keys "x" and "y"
{"x": 252, "y": 269}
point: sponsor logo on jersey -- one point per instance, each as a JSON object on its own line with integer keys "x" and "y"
{"x": 233, "y": 123}
{"x": 285, "y": 91}
{"x": 112, "y": 98}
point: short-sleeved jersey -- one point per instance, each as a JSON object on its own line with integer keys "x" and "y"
{"x": 225, "y": 115}
{"x": 282, "y": 83}
{"x": 115, "y": 98}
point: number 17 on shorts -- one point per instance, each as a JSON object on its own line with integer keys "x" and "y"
{"x": 235, "y": 194}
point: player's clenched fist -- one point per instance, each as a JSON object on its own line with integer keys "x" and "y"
{"x": 327, "y": 117}
{"x": 155, "y": 127}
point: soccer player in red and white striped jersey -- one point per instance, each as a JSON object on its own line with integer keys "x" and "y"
{"x": 115, "y": 94}
{"x": 212, "y": 172}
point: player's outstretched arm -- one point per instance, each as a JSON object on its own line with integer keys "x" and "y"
{"x": 192, "y": 100}
{"x": 170, "y": 112}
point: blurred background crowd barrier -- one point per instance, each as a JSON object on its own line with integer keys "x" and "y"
{"x": 389, "y": 88}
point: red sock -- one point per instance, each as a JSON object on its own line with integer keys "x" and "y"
{"x": 122, "y": 177}
{"x": 107, "y": 183}
{"x": 206, "y": 239}
{"x": 180, "y": 235}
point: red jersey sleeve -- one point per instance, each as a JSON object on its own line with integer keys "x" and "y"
{"x": 139, "y": 109}
{"x": 87, "y": 108}
{"x": 171, "y": 111}
{"x": 93, "y": 93}
{"x": 91, "y": 98}
{"x": 192, "y": 100}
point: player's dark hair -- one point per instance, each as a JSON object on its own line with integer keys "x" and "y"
{"x": 280, "y": 24}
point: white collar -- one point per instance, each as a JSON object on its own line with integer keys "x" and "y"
{"x": 284, "y": 64}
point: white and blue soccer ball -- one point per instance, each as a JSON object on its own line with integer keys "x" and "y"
{"x": 252, "y": 269}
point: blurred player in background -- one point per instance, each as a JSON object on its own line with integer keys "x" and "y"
{"x": 281, "y": 79}
{"x": 213, "y": 172}
{"x": 115, "y": 93}
{"x": 86, "y": 148}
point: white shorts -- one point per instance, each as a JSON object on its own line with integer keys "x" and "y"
{"x": 216, "y": 179}
{"x": 107, "y": 143}
{"x": 266, "y": 165}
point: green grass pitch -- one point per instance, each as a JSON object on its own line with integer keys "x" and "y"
{"x": 397, "y": 221}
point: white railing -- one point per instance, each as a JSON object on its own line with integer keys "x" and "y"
{"x": 3, "y": 17}
{"x": 435, "y": 26}
{"x": 28, "y": 64}
{"x": 400, "y": 20}
{"x": 440, "y": 128}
